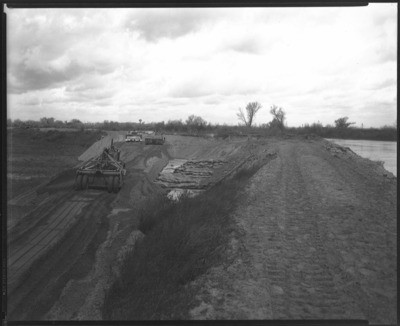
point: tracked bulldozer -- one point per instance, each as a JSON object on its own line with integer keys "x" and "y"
{"x": 103, "y": 171}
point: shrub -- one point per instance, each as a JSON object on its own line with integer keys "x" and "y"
{"x": 182, "y": 241}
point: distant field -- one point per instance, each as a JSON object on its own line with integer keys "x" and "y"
{"x": 33, "y": 156}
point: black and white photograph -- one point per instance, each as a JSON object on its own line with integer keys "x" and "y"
{"x": 204, "y": 163}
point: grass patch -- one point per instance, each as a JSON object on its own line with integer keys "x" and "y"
{"x": 34, "y": 156}
{"x": 183, "y": 240}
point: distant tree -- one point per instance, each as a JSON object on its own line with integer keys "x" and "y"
{"x": 76, "y": 123}
{"x": 195, "y": 122}
{"x": 174, "y": 125}
{"x": 47, "y": 122}
{"x": 17, "y": 123}
{"x": 58, "y": 123}
{"x": 9, "y": 122}
{"x": 140, "y": 121}
{"x": 251, "y": 110}
{"x": 160, "y": 125}
{"x": 278, "y": 117}
{"x": 342, "y": 123}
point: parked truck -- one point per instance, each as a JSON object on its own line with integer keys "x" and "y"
{"x": 153, "y": 138}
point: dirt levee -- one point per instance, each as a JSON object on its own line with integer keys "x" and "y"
{"x": 202, "y": 148}
{"x": 315, "y": 239}
{"x": 98, "y": 147}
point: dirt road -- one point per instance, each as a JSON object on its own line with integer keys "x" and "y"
{"x": 315, "y": 239}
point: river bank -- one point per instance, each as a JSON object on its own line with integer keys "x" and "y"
{"x": 384, "y": 151}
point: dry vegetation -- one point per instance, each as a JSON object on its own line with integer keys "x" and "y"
{"x": 33, "y": 156}
{"x": 182, "y": 241}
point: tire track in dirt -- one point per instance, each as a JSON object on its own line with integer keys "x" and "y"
{"x": 61, "y": 275}
{"x": 286, "y": 260}
{"x": 308, "y": 288}
{"x": 360, "y": 227}
{"x": 42, "y": 236}
{"x": 25, "y": 300}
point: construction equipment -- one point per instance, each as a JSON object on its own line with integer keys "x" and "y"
{"x": 103, "y": 171}
{"x": 133, "y": 136}
{"x": 154, "y": 139}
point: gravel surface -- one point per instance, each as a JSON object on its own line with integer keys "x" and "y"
{"x": 315, "y": 239}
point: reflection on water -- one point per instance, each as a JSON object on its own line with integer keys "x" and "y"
{"x": 374, "y": 150}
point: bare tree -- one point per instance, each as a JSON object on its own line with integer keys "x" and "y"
{"x": 195, "y": 121}
{"x": 248, "y": 116}
{"x": 278, "y": 117}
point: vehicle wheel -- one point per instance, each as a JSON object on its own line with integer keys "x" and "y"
{"x": 115, "y": 184}
{"x": 78, "y": 182}
{"x": 109, "y": 181}
{"x": 85, "y": 180}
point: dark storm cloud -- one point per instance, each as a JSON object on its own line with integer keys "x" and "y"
{"x": 169, "y": 23}
{"x": 35, "y": 78}
{"x": 48, "y": 48}
{"x": 27, "y": 78}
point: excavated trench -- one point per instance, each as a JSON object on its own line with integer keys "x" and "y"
{"x": 188, "y": 176}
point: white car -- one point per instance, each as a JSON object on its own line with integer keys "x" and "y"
{"x": 133, "y": 138}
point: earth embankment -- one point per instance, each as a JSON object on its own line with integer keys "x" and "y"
{"x": 315, "y": 239}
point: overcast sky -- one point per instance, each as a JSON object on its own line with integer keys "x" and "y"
{"x": 318, "y": 64}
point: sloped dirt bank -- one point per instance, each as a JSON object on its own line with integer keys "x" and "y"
{"x": 315, "y": 238}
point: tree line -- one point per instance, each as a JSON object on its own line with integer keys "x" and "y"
{"x": 196, "y": 125}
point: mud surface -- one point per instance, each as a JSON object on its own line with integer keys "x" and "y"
{"x": 315, "y": 239}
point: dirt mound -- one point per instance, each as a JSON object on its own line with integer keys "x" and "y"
{"x": 202, "y": 148}
{"x": 98, "y": 147}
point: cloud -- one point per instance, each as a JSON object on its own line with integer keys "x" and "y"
{"x": 246, "y": 46}
{"x": 153, "y": 24}
{"x": 50, "y": 47}
{"x": 190, "y": 88}
{"x": 161, "y": 64}
{"x": 384, "y": 84}
{"x": 34, "y": 78}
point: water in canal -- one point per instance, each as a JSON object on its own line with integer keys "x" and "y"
{"x": 374, "y": 150}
